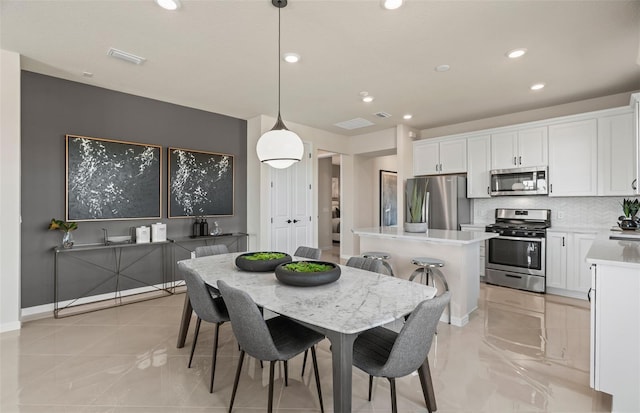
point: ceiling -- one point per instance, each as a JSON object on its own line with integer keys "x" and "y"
{"x": 221, "y": 55}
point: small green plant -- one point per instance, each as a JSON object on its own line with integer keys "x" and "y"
{"x": 630, "y": 207}
{"x": 64, "y": 226}
{"x": 264, "y": 256}
{"x": 308, "y": 266}
{"x": 415, "y": 194}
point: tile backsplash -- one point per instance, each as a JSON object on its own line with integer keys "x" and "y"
{"x": 588, "y": 212}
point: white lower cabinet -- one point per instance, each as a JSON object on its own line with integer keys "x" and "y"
{"x": 477, "y": 228}
{"x": 615, "y": 334}
{"x": 567, "y": 270}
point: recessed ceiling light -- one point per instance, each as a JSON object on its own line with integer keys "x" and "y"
{"x": 168, "y": 4}
{"x": 442, "y": 68}
{"x": 392, "y": 4}
{"x": 516, "y": 53}
{"x": 407, "y": 116}
{"x": 367, "y": 99}
{"x": 87, "y": 74}
{"x": 291, "y": 57}
{"x": 537, "y": 86}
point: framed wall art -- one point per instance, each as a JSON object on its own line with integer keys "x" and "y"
{"x": 388, "y": 198}
{"x": 109, "y": 180}
{"x": 200, "y": 183}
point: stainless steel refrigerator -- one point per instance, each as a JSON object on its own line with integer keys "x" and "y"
{"x": 448, "y": 205}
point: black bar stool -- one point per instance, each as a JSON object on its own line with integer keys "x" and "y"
{"x": 429, "y": 268}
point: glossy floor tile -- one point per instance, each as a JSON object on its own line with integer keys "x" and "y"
{"x": 520, "y": 352}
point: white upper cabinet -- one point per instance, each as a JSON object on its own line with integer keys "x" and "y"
{"x": 617, "y": 155}
{"x": 439, "y": 157}
{"x": 519, "y": 149}
{"x": 478, "y": 166}
{"x": 573, "y": 150}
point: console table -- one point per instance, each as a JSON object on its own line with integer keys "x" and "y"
{"x": 94, "y": 276}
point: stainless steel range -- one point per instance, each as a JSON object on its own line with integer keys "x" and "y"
{"x": 517, "y": 257}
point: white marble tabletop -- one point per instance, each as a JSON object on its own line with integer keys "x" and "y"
{"x": 441, "y": 236}
{"x": 359, "y": 300}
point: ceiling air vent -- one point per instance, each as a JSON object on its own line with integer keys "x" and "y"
{"x": 382, "y": 115}
{"x": 128, "y": 57}
{"x": 354, "y": 123}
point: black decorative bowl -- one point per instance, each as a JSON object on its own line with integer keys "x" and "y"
{"x": 307, "y": 279}
{"x": 260, "y": 265}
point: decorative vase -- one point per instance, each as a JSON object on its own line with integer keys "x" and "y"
{"x": 628, "y": 224}
{"x": 67, "y": 239}
{"x": 415, "y": 227}
{"x": 308, "y": 279}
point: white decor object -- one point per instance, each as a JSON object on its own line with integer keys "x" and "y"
{"x": 142, "y": 235}
{"x": 279, "y": 148}
{"x": 158, "y": 232}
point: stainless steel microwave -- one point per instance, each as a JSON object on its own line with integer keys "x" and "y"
{"x": 519, "y": 181}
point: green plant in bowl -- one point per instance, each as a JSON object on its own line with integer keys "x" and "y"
{"x": 630, "y": 208}
{"x": 308, "y": 266}
{"x": 264, "y": 256}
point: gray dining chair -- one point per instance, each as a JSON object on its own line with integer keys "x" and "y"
{"x": 273, "y": 340}
{"x": 211, "y": 250}
{"x": 382, "y": 352}
{"x": 207, "y": 308}
{"x": 308, "y": 252}
{"x": 369, "y": 264}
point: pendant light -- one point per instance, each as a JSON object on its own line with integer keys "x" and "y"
{"x": 279, "y": 147}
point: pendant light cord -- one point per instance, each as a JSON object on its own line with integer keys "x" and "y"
{"x": 279, "y": 63}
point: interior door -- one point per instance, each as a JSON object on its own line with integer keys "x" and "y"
{"x": 291, "y": 205}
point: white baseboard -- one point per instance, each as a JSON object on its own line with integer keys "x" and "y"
{"x": 11, "y": 326}
{"x": 46, "y": 310}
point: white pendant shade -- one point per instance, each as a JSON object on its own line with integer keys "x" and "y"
{"x": 280, "y": 148}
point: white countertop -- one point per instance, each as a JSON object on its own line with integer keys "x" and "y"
{"x": 441, "y": 236}
{"x": 615, "y": 252}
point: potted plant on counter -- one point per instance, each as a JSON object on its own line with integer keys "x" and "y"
{"x": 630, "y": 208}
{"x": 416, "y": 201}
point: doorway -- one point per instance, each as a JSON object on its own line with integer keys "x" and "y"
{"x": 329, "y": 204}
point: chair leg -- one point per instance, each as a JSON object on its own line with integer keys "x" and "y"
{"x": 195, "y": 339}
{"x": 237, "y": 379}
{"x": 394, "y": 400}
{"x": 286, "y": 373}
{"x": 424, "y": 372}
{"x": 304, "y": 361}
{"x": 370, "y": 386}
{"x": 215, "y": 356}
{"x": 317, "y": 374}
{"x": 272, "y": 365}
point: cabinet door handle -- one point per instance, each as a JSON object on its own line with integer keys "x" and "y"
{"x": 296, "y": 221}
{"x": 589, "y": 294}
{"x": 551, "y": 188}
{"x": 289, "y": 221}
{"x": 436, "y": 167}
{"x": 440, "y": 167}
{"x": 488, "y": 191}
{"x": 514, "y": 160}
{"x": 633, "y": 184}
{"x": 563, "y": 241}
{"x": 519, "y": 160}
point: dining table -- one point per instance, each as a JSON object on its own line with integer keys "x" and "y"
{"x": 358, "y": 301}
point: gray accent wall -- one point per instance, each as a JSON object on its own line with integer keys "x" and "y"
{"x": 52, "y": 108}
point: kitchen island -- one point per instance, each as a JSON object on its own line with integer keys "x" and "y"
{"x": 460, "y": 251}
{"x": 615, "y": 320}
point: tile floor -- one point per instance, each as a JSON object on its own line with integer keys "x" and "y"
{"x": 520, "y": 353}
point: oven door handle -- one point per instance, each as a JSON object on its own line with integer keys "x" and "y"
{"x": 519, "y": 239}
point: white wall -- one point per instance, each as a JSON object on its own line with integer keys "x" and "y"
{"x": 10, "y": 189}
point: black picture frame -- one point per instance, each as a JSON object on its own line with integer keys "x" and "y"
{"x": 388, "y": 198}
{"x": 108, "y": 179}
{"x": 200, "y": 183}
